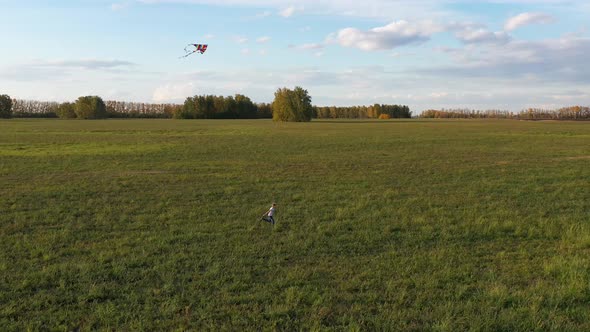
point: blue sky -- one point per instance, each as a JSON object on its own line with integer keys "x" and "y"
{"x": 423, "y": 53}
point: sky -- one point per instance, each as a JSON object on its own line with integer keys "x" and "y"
{"x": 428, "y": 54}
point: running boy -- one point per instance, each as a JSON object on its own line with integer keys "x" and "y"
{"x": 270, "y": 214}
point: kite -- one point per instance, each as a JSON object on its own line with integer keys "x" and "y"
{"x": 198, "y": 48}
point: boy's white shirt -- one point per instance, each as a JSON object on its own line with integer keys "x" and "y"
{"x": 271, "y": 211}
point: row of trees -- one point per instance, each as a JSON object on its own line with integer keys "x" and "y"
{"x": 88, "y": 107}
{"x": 219, "y": 107}
{"x": 363, "y": 112}
{"x": 122, "y": 109}
{"x": 198, "y": 107}
{"x": 466, "y": 114}
{"x": 565, "y": 113}
{"x": 289, "y": 105}
{"x": 33, "y": 109}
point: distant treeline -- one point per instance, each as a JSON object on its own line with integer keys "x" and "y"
{"x": 241, "y": 107}
{"x": 34, "y": 109}
{"x": 565, "y": 113}
{"x": 208, "y": 107}
{"x": 220, "y": 107}
{"x": 362, "y": 112}
{"x": 198, "y": 107}
{"x": 123, "y": 109}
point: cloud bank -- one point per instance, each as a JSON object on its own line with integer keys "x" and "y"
{"x": 525, "y": 19}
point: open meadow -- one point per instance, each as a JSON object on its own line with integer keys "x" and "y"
{"x": 381, "y": 225}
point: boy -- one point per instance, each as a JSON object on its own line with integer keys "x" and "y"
{"x": 270, "y": 214}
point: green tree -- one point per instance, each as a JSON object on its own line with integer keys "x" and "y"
{"x": 264, "y": 110}
{"x": 220, "y": 107}
{"x": 5, "y": 107}
{"x": 246, "y": 109}
{"x": 187, "y": 111}
{"x": 231, "y": 108}
{"x": 90, "y": 107}
{"x": 66, "y": 111}
{"x": 197, "y": 107}
{"x": 209, "y": 107}
{"x": 292, "y": 105}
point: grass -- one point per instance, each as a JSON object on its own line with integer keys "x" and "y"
{"x": 391, "y": 225}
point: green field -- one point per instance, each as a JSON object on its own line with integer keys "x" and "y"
{"x": 396, "y": 225}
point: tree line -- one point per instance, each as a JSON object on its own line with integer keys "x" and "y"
{"x": 220, "y": 107}
{"x": 33, "y": 109}
{"x": 564, "y": 113}
{"x": 288, "y": 105}
{"x": 466, "y": 114}
{"x": 197, "y": 107}
{"x": 124, "y": 109}
{"x": 363, "y": 112}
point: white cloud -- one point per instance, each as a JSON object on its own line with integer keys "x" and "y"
{"x": 290, "y": 11}
{"x": 63, "y": 80}
{"x": 119, "y": 6}
{"x": 308, "y": 46}
{"x": 240, "y": 39}
{"x": 366, "y": 8}
{"x": 173, "y": 92}
{"x": 552, "y": 61}
{"x": 387, "y": 37}
{"x": 42, "y": 69}
{"x": 438, "y": 95}
{"x": 382, "y": 9}
{"x": 481, "y": 35}
{"x": 400, "y": 33}
{"x": 287, "y": 12}
{"x": 263, "y": 39}
{"x": 524, "y": 19}
{"x": 91, "y": 64}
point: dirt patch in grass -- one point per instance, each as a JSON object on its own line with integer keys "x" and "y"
{"x": 577, "y": 158}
